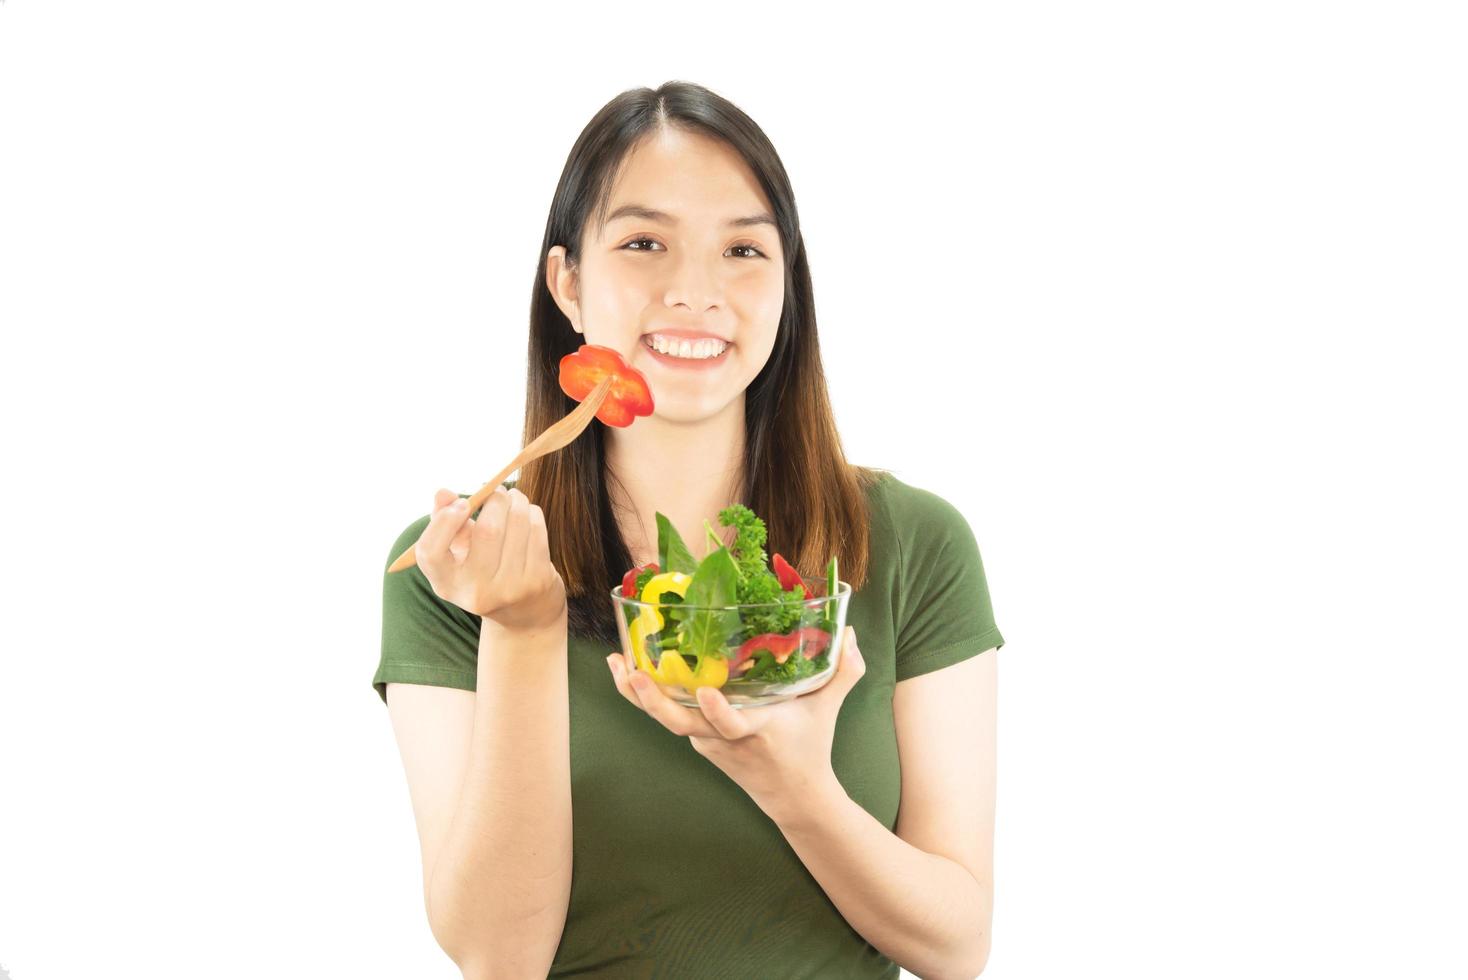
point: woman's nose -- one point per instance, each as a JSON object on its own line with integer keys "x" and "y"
{"x": 694, "y": 284}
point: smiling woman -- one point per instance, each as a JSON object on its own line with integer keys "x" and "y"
{"x": 685, "y": 275}
{"x": 570, "y": 824}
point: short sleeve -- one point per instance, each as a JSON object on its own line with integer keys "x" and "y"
{"x": 943, "y": 610}
{"x": 425, "y": 639}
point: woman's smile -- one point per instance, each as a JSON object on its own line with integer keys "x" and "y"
{"x": 687, "y": 363}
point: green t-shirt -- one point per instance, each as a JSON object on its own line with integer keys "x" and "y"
{"x": 736, "y": 901}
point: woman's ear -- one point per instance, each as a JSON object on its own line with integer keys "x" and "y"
{"x": 560, "y": 279}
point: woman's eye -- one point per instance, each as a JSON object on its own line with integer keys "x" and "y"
{"x": 644, "y": 242}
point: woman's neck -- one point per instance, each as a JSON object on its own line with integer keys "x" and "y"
{"x": 688, "y": 471}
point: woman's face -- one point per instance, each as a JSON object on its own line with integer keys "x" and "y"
{"x": 693, "y": 269}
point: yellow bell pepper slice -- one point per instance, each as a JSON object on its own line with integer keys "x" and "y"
{"x": 671, "y": 668}
{"x": 650, "y": 620}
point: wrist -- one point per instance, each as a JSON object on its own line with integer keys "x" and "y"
{"x": 808, "y": 806}
{"x": 549, "y": 632}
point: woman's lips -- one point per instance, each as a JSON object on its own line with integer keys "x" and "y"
{"x": 689, "y": 363}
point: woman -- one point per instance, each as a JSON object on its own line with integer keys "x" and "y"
{"x": 571, "y": 821}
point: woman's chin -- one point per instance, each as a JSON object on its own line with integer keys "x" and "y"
{"x": 686, "y": 408}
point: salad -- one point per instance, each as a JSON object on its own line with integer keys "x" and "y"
{"x": 755, "y": 647}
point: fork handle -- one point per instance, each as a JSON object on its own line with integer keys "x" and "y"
{"x": 542, "y": 445}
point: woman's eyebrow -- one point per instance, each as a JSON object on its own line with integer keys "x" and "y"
{"x": 651, "y": 214}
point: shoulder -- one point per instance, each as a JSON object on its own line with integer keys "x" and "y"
{"x": 406, "y": 538}
{"x": 915, "y": 511}
{"x": 941, "y": 604}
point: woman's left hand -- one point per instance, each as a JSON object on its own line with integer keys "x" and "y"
{"x": 752, "y": 745}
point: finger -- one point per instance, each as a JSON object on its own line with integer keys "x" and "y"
{"x": 517, "y": 535}
{"x": 849, "y": 669}
{"x": 618, "y": 664}
{"x": 463, "y": 538}
{"x": 537, "y": 549}
{"x": 442, "y": 500}
{"x": 852, "y": 666}
{"x": 858, "y": 664}
{"x": 431, "y": 548}
{"x": 489, "y": 530}
{"x": 673, "y": 716}
{"x": 727, "y": 721}
{"x": 458, "y": 545}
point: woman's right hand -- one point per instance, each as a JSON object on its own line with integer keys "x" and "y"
{"x": 496, "y": 566}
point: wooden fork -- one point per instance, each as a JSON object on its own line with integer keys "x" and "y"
{"x": 558, "y": 436}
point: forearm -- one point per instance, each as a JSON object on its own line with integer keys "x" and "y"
{"x": 501, "y": 881}
{"x": 923, "y": 911}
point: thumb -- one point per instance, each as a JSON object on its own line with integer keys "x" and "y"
{"x": 443, "y": 498}
{"x": 851, "y": 668}
{"x": 858, "y": 663}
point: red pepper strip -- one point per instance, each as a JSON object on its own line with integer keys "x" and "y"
{"x": 810, "y": 639}
{"x": 629, "y": 581}
{"x": 789, "y": 578}
{"x": 629, "y": 396}
{"x": 814, "y": 640}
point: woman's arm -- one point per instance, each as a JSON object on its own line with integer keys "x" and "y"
{"x": 924, "y": 895}
{"x": 497, "y": 847}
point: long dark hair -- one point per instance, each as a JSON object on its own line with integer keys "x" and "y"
{"x": 813, "y": 502}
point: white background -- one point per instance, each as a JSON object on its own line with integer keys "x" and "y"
{"x": 1186, "y": 279}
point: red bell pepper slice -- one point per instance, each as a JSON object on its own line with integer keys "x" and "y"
{"x": 788, "y": 576}
{"x": 810, "y": 640}
{"x": 629, "y": 396}
{"x": 629, "y": 581}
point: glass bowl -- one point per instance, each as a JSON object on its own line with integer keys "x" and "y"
{"x": 756, "y": 653}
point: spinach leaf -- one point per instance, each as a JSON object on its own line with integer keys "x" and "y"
{"x": 673, "y": 554}
{"x": 713, "y": 584}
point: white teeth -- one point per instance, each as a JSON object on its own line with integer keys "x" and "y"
{"x": 694, "y": 350}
